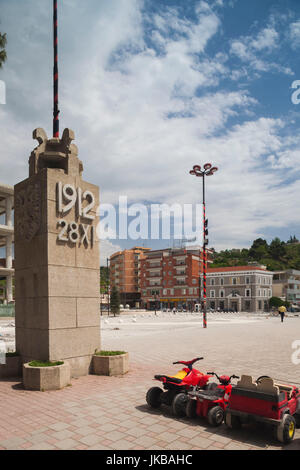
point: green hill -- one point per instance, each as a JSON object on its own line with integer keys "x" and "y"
{"x": 276, "y": 256}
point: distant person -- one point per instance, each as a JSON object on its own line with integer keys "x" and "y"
{"x": 282, "y": 311}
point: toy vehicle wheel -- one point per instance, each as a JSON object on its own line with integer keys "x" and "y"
{"x": 153, "y": 397}
{"x": 215, "y": 416}
{"x": 191, "y": 407}
{"x": 286, "y": 430}
{"x": 179, "y": 404}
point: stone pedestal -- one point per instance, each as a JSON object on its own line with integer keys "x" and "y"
{"x": 57, "y": 258}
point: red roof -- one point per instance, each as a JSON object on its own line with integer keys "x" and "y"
{"x": 235, "y": 268}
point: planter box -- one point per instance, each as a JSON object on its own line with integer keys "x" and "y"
{"x": 12, "y": 368}
{"x": 111, "y": 365}
{"x": 46, "y": 378}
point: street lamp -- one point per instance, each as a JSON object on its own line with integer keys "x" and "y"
{"x": 208, "y": 170}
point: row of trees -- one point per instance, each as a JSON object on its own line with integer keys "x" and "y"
{"x": 275, "y": 255}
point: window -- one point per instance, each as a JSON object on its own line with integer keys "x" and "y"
{"x": 248, "y": 293}
{"x": 195, "y": 290}
{"x": 247, "y": 280}
{"x": 170, "y": 273}
{"x": 164, "y": 291}
{"x": 234, "y": 281}
{"x": 191, "y": 290}
{"x": 222, "y": 294}
{"x": 212, "y": 294}
{"x": 222, "y": 281}
{"x": 212, "y": 282}
{"x": 183, "y": 291}
{"x": 259, "y": 305}
{"x": 194, "y": 281}
{"x": 171, "y": 291}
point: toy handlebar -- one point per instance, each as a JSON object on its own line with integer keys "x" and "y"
{"x": 189, "y": 363}
{"x": 219, "y": 378}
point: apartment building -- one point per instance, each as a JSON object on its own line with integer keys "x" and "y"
{"x": 125, "y": 274}
{"x": 286, "y": 285}
{"x": 6, "y": 241}
{"x": 170, "y": 278}
{"x": 239, "y": 288}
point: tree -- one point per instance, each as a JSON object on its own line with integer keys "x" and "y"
{"x": 259, "y": 249}
{"x": 104, "y": 280}
{"x": 277, "y": 248}
{"x": 115, "y": 301}
{"x": 275, "y": 302}
{"x": 3, "y": 42}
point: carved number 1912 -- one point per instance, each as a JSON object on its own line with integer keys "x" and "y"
{"x": 69, "y": 194}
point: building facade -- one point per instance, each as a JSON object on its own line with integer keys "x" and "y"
{"x": 169, "y": 278}
{"x": 6, "y": 241}
{"x": 125, "y": 274}
{"x": 239, "y": 288}
{"x": 286, "y": 285}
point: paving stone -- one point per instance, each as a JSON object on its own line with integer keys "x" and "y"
{"x": 107, "y": 413}
{"x": 91, "y": 439}
{"x": 58, "y": 426}
{"x": 67, "y": 444}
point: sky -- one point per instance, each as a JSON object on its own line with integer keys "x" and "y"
{"x": 152, "y": 88}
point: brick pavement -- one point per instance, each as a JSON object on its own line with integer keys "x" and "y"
{"x": 110, "y": 412}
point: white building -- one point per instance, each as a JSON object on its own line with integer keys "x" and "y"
{"x": 7, "y": 238}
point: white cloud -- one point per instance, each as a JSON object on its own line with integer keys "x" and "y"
{"x": 145, "y": 111}
{"x": 255, "y": 51}
{"x": 106, "y": 250}
{"x": 294, "y": 34}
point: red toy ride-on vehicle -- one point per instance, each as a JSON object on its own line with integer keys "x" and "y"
{"x": 211, "y": 403}
{"x": 175, "y": 387}
{"x": 277, "y": 405}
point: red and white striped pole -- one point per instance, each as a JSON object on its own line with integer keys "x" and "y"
{"x": 55, "y": 72}
{"x": 204, "y": 258}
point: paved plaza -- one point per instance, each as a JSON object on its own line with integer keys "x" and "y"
{"x": 111, "y": 413}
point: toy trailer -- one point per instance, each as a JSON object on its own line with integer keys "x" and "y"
{"x": 264, "y": 401}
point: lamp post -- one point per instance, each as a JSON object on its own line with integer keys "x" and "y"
{"x": 208, "y": 170}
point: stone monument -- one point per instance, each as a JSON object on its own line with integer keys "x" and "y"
{"x": 57, "y": 285}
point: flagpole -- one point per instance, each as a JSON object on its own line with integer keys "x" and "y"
{"x": 55, "y": 72}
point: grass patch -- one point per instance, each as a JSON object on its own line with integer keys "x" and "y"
{"x": 45, "y": 363}
{"x": 109, "y": 353}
